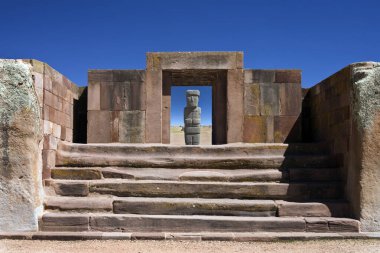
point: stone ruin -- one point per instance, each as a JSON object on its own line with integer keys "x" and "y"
{"x": 192, "y": 118}
{"x": 98, "y": 158}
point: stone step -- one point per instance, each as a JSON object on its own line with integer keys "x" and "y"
{"x": 197, "y": 206}
{"x": 231, "y": 156}
{"x": 177, "y": 206}
{"x": 225, "y": 162}
{"x": 238, "y": 175}
{"x": 189, "y": 189}
{"x": 313, "y": 174}
{"x": 192, "y": 223}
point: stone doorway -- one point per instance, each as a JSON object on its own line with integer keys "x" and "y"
{"x": 217, "y": 79}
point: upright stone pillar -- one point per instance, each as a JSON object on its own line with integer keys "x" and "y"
{"x": 192, "y": 118}
{"x": 20, "y": 155}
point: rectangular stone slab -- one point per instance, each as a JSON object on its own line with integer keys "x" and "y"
{"x": 174, "y": 223}
{"x": 195, "y": 206}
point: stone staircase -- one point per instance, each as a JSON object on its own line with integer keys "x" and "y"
{"x": 224, "y": 188}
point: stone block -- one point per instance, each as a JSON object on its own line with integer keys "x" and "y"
{"x": 64, "y": 222}
{"x": 269, "y": 99}
{"x": 48, "y": 98}
{"x": 38, "y": 81}
{"x": 288, "y": 76}
{"x": 121, "y": 96}
{"x": 128, "y": 76}
{"x": 99, "y": 126}
{"x": 71, "y": 189}
{"x": 69, "y": 134}
{"x": 310, "y": 209}
{"x": 89, "y": 204}
{"x": 195, "y": 60}
{"x": 46, "y": 112}
{"x": 263, "y": 76}
{"x": 252, "y": 99}
{"x": 132, "y": 127}
{"x": 235, "y": 105}
{"x": 38, "y": 66}
{"x": 153, "y": 132}
{"x": 287, "y": 129}
{"x": 48, "y": 162}
{"x": 258, "y": 129}
{"x": 20, "y": 135}
{"x": 76, "y": 174}
{"x": 290, "y": 99}
{"x": 57, "y": 131}
{"x": 93, "y": 102}
{"x": 343, "y": 225}
{"x": 100, "y": 76}
{"x": 50, "y": 142}
{"x": 47, "y": 127}
{"x": 316, "y": 225}
{"x": 48, "y": 83}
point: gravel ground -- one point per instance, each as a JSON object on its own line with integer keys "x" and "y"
{"x": 325, "y": 246}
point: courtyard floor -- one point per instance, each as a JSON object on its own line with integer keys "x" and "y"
{"x": 325, "y": 246}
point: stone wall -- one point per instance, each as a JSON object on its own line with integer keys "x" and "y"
{"x": 20, "y": 148}
{"x": 344, "y": 111}
{"x": 272, "y": 106}
{"x": 116, "y": 106}
{"x": 56, "y": 95}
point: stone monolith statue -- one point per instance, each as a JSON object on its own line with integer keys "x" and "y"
{"x": 192, "y": 118}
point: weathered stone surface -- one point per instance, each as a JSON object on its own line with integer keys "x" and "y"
{"x": 71, "y": 188}
{"x": 20, "y": 135}
{"x": 99, "y": 126}
{"x": 203, "y": 176}
{"x": 235, "y": 105}
{"x": 262, "y": 190}
{"x": 343, "y": 225}
{"x": 153, "y": 123}
{"x": 132, "y": 126}
{"x": 290, "y": 99}
{"x": 92, "y": 204}
{"x": 316, "y": 225}
{"x": 65, "y": 222}
{"x": 269, "y": 99}
{"x": 195, "y": 60}
{"x": 288, "y": 76}
{"x": 364, "y": 173}
{"x": 177, "y": 223}
{"x": 251, "y": 99}
{"x": 310, "y": 209}
{"x": 191, "y": 206}
{"x": 116, "y": 173}
{"x": 259, "y": 76}
{"x": 287, "y": 129}
{"x": 75, "y": 173}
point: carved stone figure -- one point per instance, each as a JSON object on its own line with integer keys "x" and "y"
{"x": 192, "y": 118}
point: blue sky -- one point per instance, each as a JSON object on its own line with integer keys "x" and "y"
{"x": 319, "y": 37}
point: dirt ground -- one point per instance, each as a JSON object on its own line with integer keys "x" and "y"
{"x": 177, "y": 136}
{"x": 325, "y": 246}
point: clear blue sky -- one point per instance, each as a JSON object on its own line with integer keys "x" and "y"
{"x": 319, "y": 37}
